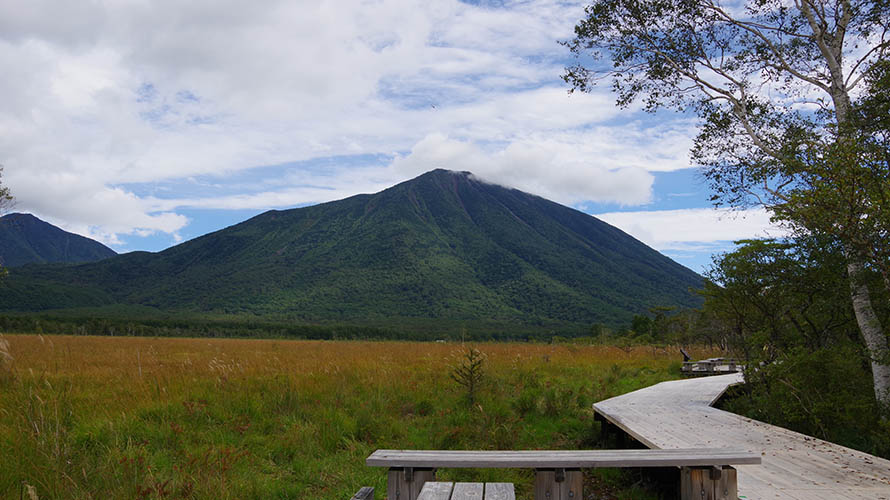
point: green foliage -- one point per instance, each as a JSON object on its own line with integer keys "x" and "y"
{"x": 825, "y": 393}
{"x": 440, "y": 248}
{"x": 775, "y": 296}
{"x": 642, "y": 325}
{"x": 783, "y": 309}
{"x": 469, "y": 371}
{"x": 823, "y": 173}
{"x": 136, "y": 322}
{"x": 665, "y": 326}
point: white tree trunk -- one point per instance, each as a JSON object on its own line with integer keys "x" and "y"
{"x": 872, "y": 332}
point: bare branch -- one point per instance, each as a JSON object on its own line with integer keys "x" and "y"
{"x": 776, "y": 52}
{"x": 877, "y": 48}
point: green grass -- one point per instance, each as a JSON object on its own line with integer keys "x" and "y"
{"x": 100, "y": 417}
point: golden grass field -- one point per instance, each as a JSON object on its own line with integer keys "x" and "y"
{"x": 127, "y": 417}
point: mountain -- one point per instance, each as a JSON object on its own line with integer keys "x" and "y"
{"x": 444, "y": 246}
{"x": 25, "y": 239}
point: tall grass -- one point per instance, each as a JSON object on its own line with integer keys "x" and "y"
{"x": 111, "y": 417}
{"x": 5, "y": 359}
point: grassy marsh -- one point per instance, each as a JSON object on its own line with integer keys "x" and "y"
{"x": 123, "y": 417}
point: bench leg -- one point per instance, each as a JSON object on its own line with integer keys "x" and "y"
{"x": 708, "y": 483}
{"x": 558, "y": 484}
{"x": 406, "y": 483}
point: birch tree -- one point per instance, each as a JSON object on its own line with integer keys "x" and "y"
{"x": 5, "y": 204}
{"x": 786, "y": 93}
{"x": 5, "y": 196}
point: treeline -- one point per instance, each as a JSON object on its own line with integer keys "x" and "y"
{"x": 666, "y": 326}
{"x": 211, "y": 328}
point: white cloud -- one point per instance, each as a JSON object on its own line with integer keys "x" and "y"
{"x": 549, "y": 168}
{"x": 109, "y": 95}
{"x": 83, "y": 201}
{"x": 695, "y": 229}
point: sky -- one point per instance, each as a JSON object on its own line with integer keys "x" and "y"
{"x": 145, "y": 123}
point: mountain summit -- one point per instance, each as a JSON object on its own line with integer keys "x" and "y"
{"x": 442, "y": 246}
{"x": 25, "y": 239}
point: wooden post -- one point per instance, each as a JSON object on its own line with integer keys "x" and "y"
{"x": 572, "y": 488}
{"x": 405, "y": 483}
{"x": 558, "y": 484}
{"x": 708, "y": 483}
{"x": 604, "y": 425}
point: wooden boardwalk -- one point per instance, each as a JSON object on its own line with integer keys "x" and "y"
{"x": 678, "y": 414}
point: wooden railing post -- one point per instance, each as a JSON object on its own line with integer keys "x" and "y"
{"x": 558, "y": 484}
{"x": 405, "y": 483}
{"x": 708, "y": 483}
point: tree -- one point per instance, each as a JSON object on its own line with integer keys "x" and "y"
{"x": 641, "y": 325}
{"x": 469, "y": 371}
{"x": 783, "y": 91}
{"x": 5, "y": 197}
{"x": 5, "y": 205}
{"x": 774, "y": 296}
{"x": 783, "y": 307}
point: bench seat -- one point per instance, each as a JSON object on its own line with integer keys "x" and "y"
{"x": 554, "y": 459}
{"x": 436, "y": 490}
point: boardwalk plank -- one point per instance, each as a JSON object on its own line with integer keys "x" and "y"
{"x": 678, "y": 414}
{"x": 436, "y": 490}
{"x": 499, "y": 491}
{"x": 467, "y": 491}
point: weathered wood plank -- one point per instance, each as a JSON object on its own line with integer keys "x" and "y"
{"x": 678, "y": 414}
{"x": 467, "y": 491}
{"x": 572, "y": 487}
{"x": 703, "y": 484}
{"x": 366, "y": 493}
{"x": 545, "y": 485}
{"x": 406, "y": 483}
{"x": 500, "y": 491}
{"x": 561, "y": 458}
{"x": 440, "y": 490}
{"x": 436, "y": 490}
{"x": 558, "y": 484}
{"x": 727, "y": 488}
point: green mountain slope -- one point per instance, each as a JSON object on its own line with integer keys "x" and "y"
{"x": 25, "y": 239}
{"x": 442, "y": 246}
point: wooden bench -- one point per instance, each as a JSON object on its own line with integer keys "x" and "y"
{"x": 711, "y": 366}
{"x": 705, "y": 473}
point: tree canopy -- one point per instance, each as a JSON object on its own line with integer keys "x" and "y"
{"x": 790, "y": 98}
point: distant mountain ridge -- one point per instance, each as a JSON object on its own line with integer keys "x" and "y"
{"x": 442, "y": 246}
{"x": 25, "y": 239}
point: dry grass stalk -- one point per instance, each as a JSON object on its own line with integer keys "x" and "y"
{"x": 31, "y": 492}
{"x": 6, "y": 358}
